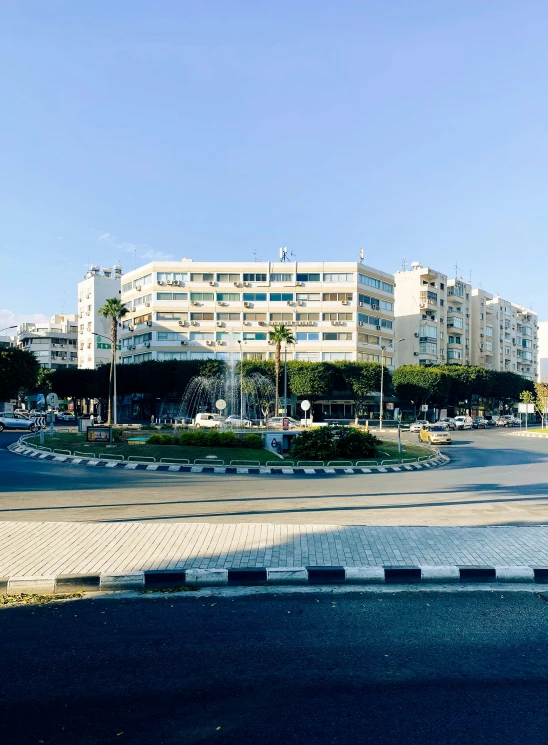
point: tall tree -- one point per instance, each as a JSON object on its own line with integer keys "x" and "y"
{"x": 19, "y": 370}
{"x": 420, "y": 384}
{"x": 362, "y": 379}
{"x": 279, "y": 335}
{"x": 311, "y": 380}
{"x": 115, "y": 310}
{"x": 541, "y": 401}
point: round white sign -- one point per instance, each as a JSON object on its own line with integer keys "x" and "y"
{"x": 220, "y": 404}
{"x": 305, "y": 405}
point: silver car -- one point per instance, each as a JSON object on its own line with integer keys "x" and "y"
{"x": 416, "y": 426}
{"x": 9, "y": 420}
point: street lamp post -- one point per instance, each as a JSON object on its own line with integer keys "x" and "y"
{"x": 114, "y": 412}
{"x": 285, "y": 380}
{"x": 8, "y": 327}
{"x": 383, "y": 349}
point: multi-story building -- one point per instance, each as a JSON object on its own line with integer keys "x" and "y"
{"x": 485, "y": 337}
{"x": 192, "y": 310}
{"x": 53, "y": 343}
{"x": 543, "y": 351}
{"x": 94, "y": 346}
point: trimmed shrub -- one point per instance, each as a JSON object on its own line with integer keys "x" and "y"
{"x": 154, "y": 439}
{"x": 252, "y": 441}
{"x": 228, "y": 440}
{"x": 334, "y": 443}
{"x": 353, "y": 443}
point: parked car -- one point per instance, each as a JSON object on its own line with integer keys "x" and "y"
{"x": 463, "y": 422}
{"x": 277, "y": 421}
{"x": 478, "y": 422}
{"x": 65, "y": 416}
{"x": 235, "y": 421}
{"x": 448, "y": 422}
{"x": 416, "y": 426}
{"x": 10, "y": 420}
{"x": 205, "y": 419}
{"x": 507, "y": 420}
{"x": 435, "y": 434}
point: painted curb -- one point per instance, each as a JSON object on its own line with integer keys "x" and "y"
{"x": 272, "y": 577}
{"x": 527, "y": 434}
{"x": 20, "y": 448}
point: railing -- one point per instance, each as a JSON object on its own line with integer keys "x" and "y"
{"x": 208, "y": 462}
{"x": 84, "y": 455}
{"x": 183, "y": 461}
{"x": 61, "y": 452}
{"x": 141, "y": 459}
{"x": 279, "y": 463}
{"x": 245, "y": 462}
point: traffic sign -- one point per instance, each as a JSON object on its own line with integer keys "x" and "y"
{"x": 220, "y": 404}
{"x": 285, "y": 423}
{"x": 52, "y": 400}
{"x": 305, "y": 405}
{"x": 40, "y": 400}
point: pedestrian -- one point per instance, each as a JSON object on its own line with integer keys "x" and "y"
{"x": 152, "y": 419}
{"x": 91, "y": 420}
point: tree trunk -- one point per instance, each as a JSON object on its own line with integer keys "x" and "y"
{"x": 277, "y": 355}
{"x": 111, "y": 378}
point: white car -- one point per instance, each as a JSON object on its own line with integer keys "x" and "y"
{"x": 463, "y": 422}
{"x": 205, "y": 419}
{"x": 65, "y": 416}
{"x": 416, "y": 426}
{"x": 10, "y": 420}
{"x": 235, "y": 421}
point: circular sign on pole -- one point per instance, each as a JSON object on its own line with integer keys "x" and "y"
{"x": 220, "y": 404}
{"x": 305, "y": 405}
{"x": 52, "y": 400}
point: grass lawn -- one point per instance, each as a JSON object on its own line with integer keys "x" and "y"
{"x": 75, "y": 441}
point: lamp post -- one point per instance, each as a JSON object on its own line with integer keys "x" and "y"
{"x": 285, "y": 380}
{"x": 7, "y": 327}
{"x": 114, "y": 413}
{"x": 383, "y": 349}
{"x": 241, "y": 383}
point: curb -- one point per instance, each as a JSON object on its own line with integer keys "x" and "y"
{"x": 276, "y": 576}
{"x": 19, "y": 448}
{"x": 526, "y": 434}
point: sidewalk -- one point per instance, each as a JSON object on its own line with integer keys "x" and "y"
{"x": 47, "y": 549}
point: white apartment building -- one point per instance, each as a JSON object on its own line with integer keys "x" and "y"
{"x": 432, "y": 318}
{"x": 543, "y": 351}
{"x": 94, "y": 346}
{"x": 193, "y": 310}
{"x": 52, "y": 343}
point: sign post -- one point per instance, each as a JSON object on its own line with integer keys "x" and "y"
{"x": 526, "y": 409}
{"x": 305, "y": 406}
{"x": 52, "y": 399}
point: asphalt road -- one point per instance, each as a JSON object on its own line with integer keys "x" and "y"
{"x": 493, "y": 479}
{"x": 404, "y": 668}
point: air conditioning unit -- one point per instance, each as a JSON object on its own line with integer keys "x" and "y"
{"x": 378, "y": 328}
{"x": 169, "y": 282}
{"x": 416, "y": 354}
{"x": 334, "y": 323}
{"x": 246, "y": 323}
{"x": 220, "y": 323}
{"x": 147, "y": 344}
{"x": 87, "y": 312}
{"x": 212, "y": 283}
{"x": 361, "y": 323}
{"x": 300, "y": 302}
{"x": 182, "y": 323}
{"x": 345, "y": 302}
{"x": 149, "y": 323}
{"x": 247, "y": 284}
{"x": 130, "y": 328}
{"x": 220, "y": 343}
{"x": 160, "y": 282}
{"x": 138, "y": 288}
{"x": 290, "y": 302}
{"x": 194, "y": 323}
{"x": 210, "y": 343}
{"x": 147, "y": 305}
{"x": 416, "y": 335}
{"x": 374, "y": 306}
{"x": 299, "y": 284}
{"x": 183, "y": 342}
{"x": 247, "y": 305}
{"x": 236, "y": 284}
{"x": 194, "y": 302}
{"x": 263, "y": 323}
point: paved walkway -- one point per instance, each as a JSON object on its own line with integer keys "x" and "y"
{"x": 47, "y": 549}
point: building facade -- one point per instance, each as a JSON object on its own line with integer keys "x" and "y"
{"x": 94, "y": 346}
{"x": 543, "y": 351}
{"x": 194, "y": 310}
{"x": 54, "y": 344}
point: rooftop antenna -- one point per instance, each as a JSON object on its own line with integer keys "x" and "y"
{"x": 404, "y": 264}
{"x": 255, "y": 254}
{"x": 283, "y": 254}
{"x": 456, "y": 267}
{"x": 361, "y": 255}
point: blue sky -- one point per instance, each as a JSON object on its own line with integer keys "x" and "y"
{"x": 218, "y": 129}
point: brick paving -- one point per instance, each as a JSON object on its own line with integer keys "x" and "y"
{"x": 45, "y": 549}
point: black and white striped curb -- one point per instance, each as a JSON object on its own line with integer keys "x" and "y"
{"x": 526, "y": 434}
{"x": 278, "y": 576}
{"x": 437, "y": 459}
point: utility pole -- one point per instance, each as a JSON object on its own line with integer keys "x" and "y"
{"x": 285, "y": 380}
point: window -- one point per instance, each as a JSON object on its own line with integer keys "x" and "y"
{"x": 202, "y": 336}
{"x": 201, "y": 277}
{"x": 138, "y": 283}
{"x": 228, "y": 296}
{"x": 228, "y": 316}
{"x": 338, "y": 297}
{"x": 145, "y": 357}
{"x": 374, "y": 321}
{"x": 171, "y": 316}
{"x": 307, "y": 317}
{"x": 201, "y": 355}
{"x": 255, "y": 335}
{"x": 281, "y": 317}
{"x": 228, "y": 278}
{"x": 143, "y": 300}
{"x": 368, "y": 339}
{"x": 277, "y": 297}
{"x": 165, "y": 356}
{"x": 428, "y": 332}
{"x": 279, "y": 277}
{"x": 455, "y": 339}
{"x": 170, "y": 336}
{"x": 307, "y": 356}
{"x": 454, "y": 354}
{"x": 442, "y": 286}
{"x": 458, "y": 323}
{"x": 428, "y": 347}
{"x": 337, "y": 316}
{"x": 489, "y": 331}
{"x": 337, "y": 336}
{"x": 254, "y": 316}
{"x": 139, "y": 320}
{"x": 527, "y": 343}
{"x": 507, "y": 310}
{"x": 170, "y": 276}
{"x": 332, "y": 356}
{"x": 307, "y": 336}
{"x": 457, "y": 289}
{"x": 307, "y": 277}
{"x": 254, "y": 297}
{"x": 488, "y": 346}
{"x": 137, "y": 339}
{"x": 181, "y": 296}
{"x": 228, "y": 336}
{"x": 385, "y": 305}
{"x": 254, "y": 356}
{"x": 334, "y": 277}
{"x": 203, "y": 296}
{"x": 202, "y": 316}
{"x": 310, "y": 297}
{"x": 364, "y": 279}
{"x": 254, "y": 277}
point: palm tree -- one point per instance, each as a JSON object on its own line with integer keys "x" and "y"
{"x": 115, "y": 310}
{"x": 280, "y": 333}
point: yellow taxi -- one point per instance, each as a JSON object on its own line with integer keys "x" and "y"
{"x": 435, "y": 434}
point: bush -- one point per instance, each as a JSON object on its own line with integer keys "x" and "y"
{"x": 252, "y": 441}
{"x": 334, "y": 443}
{"x": 228, "y": 440}
{"x": 155, "y": 439}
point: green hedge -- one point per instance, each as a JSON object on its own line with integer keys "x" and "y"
{"x": 334, "y": 443}
{"x": 208, "y": 438}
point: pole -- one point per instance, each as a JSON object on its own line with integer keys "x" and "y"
{"x": 285, "y": 380}
{"x": 382, "y": 388}
{"x": 399, "y": 436}
{"x": 114, "y": 418}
